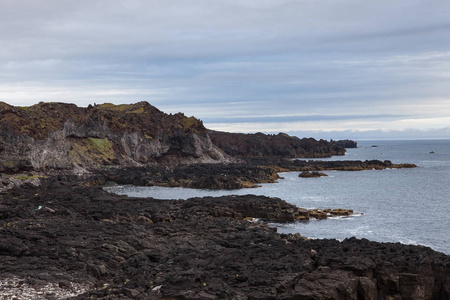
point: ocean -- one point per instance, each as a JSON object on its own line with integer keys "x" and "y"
{"x": 410, "y": 206}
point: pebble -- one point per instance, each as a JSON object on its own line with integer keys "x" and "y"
{"x": 17, "y": 288}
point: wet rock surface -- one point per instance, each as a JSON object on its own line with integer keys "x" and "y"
{"x": 67, "y": 234}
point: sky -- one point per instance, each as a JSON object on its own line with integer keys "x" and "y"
{"x": 331, "y": 69}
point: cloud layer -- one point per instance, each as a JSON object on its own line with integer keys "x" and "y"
{"x": 285, "y": 65}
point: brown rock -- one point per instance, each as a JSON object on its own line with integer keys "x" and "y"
{"x": 307, "y": 174}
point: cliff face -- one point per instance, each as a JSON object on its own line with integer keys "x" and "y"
{"x": 59, "y": 136}
{"x": 64, "y": 136}
{"x": 282, "y": 145}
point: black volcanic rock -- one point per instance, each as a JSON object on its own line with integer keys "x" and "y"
{"x": 201, "y": 248}
{"x": 65, "y": 229}
{"x": 248, "y": 173}
{"x": 268, "y": 145}
{"x": 285, "y": 165}
{"x": 200, "y": 176}
{"x": 345, "y": 143}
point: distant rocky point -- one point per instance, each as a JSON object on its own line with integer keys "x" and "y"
{"x": 345, "y": 143}
{"x": 276, "y": 145}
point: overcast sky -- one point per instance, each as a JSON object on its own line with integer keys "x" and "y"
{"x": 323, "y": 68}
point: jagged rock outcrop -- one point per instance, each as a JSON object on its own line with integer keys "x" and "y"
{"x": 269, "y": 145}
{"x": 63, "y": 136}
{"x": 345, "y": 143}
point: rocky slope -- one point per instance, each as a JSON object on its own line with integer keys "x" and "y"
{"x": 280, "y": 145}
{"x": 62, "y": 136}
{"x": 63, "y": 238}
{"x": 59, "y": 136}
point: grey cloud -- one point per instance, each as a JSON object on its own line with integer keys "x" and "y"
{"x": 349, "y": 57}
{"x": 306, "y": 118}
{"x": 410, "y": 134}
{"x": 207, "y": 28}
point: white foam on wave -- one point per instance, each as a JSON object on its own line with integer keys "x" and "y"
{"x": 343, "y": 218}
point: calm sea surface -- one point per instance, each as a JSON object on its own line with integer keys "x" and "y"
{"x": 411, "y": 206}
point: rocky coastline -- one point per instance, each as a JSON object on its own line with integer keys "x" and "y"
{"x": 62, "y": 236}
{"x": 248, "y": 173}
{"x": 65, "y": 137}
{"x": 80, "y": 238}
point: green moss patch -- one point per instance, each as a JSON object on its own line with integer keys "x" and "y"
{"x": 9, "y": 164}
{"x": 91, "y": 151}
{"x": 101, "y": 144}
{"x": 25, "y": 177}
{"x": 126, "y": 108}
{"x": 190, "y": 123}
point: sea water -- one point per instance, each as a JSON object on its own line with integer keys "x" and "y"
{"x": 410, "y": 206}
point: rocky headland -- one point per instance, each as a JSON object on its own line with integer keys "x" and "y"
{"x": 62, "y": 235}
{"x": 139, "y": 144}
{"x": 345, "y": 143}
{"x": 279, "y": 145}
{"x": 59, "y": 136}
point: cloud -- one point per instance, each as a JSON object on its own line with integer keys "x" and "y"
{"x": 274, "y": 63}
{"x": 409, "y": 134}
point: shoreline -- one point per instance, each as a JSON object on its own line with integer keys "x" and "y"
{"x": 134, "y": 248}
